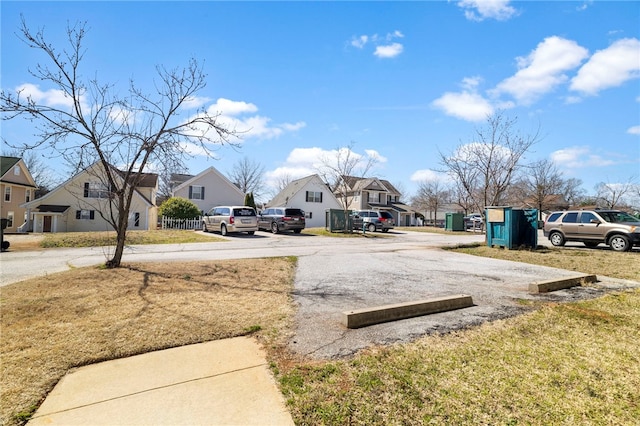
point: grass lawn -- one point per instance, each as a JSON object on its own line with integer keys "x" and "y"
{"x": 574, "y": 363}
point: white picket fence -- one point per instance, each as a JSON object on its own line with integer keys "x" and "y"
{"x": 171, "y": 223}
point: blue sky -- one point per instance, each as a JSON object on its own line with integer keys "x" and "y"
{"x": 401, "y": 81}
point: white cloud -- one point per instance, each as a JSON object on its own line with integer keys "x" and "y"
{"x": 384, "y": 47}
{"x": 610, "y": 67}
{"x": 479, "y": 10}
{"x": 52, "y": 97}
{"x": 195, "y": 102}
{"x": 240, "y": 116}
{"x": 466, "y": 105}
{"x": 427, "y": 175}
{"x": 578, "y": 157}
{"x": 360, "y": 41}
{"x": 543, "y": 70}
{"x": 635, "y": 130}
{"x": 389, "y": 51}
{"x": 303, "y": 162}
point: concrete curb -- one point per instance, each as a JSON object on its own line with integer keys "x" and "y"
{"x": 375, "y": 315}
{"x": 560, "y": 284}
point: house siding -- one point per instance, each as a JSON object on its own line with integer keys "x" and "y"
{"x": 72, "y": 194}
{"x": 19, "y": 185}
{"x": 316, "y": 210}
{"x": 218, "y": 190}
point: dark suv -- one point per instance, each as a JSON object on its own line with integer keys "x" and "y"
{"x": 373, "y": 220}
{"x": 276, "y": 219}
{"x": 618, "y": 229}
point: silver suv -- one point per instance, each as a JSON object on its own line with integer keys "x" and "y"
{"x": 230, "y": 219}
{"x": 618, "y": 229}
{"x": 373, "y": 220}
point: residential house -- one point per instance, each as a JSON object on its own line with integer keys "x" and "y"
{"x": 207, "y": 189}
{"x": 310, "y": 194}
{"x": 375, "y": 194}
{"x": 17, "y": 187}
{"x": 82, "y": 202}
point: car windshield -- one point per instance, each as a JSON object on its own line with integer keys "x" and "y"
{"x": 618, "y": 217}
{"x": 386, "y": 215}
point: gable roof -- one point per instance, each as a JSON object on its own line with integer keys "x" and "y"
{"x": 211, "y": 169}
{"x": 293, "y": 188}
{"x": 359, "y": 184}
{"x": 148, "y": 178}
{"x": 7, "y": 164}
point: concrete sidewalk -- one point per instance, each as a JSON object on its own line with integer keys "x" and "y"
{"x": 225, "y": 382}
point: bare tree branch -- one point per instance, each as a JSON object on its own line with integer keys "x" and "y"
{"x": 97, "y": 126}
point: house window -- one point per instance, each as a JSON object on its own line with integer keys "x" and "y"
{"x": 196, "y": 192}
{"x": 27, "y": 196}
{"x": 136, "y": 219}
{"x": 7, "y": 194}
{"x": 309, "y": 215}
{"x": 10, "y": 219}
{"x": 85, "y": 214}
{"x": 314, "y": 197}
{"x": 16, "y": 170}
{"x": 96, "y": 190}
{"x": 374, "y": 197}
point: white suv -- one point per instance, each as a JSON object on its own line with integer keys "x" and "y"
{"x": 227, "y": 219}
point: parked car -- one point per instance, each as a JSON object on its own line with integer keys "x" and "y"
{"x": 373, "y": 220}
{"x": 618, "y": 229}
{"x": 473, "y": 221}
{"x": 226, "y": 219}
{"x": 277, "y": 219}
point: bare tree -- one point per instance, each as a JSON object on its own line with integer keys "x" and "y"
{"x": 611, "y": 195}
{"x": 341, "y": 164}
{"x": 486, "y": 167}
{"x": 99, "y": 127}
{"x": 40, "y": 172}
{"x": 541, "y": 182}
{"x": 431, "y": 195}
{"x": 573, "y": 192}
{"x": 248, "y": 176}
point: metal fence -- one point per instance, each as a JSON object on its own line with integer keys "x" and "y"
{"x": 171, "y": 223}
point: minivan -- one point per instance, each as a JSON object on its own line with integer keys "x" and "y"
{"x": 227, "y": 219}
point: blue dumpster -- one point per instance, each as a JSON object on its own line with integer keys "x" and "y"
{"x": 512, "y": 228}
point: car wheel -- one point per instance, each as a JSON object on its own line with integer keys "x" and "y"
{"x": 619, "y": 243}
{"x": 385, "y": 229}
{"x": 556, "y": 239}
{"x": 371, "y": 227}
{"x": 251, "y": 232}
{"x": 274, "y": 227}
{"x": 297, "y": 231}
{"x": 204, "y": 227}
{"x": 223, "y": 230}
{"x": 591, "y": 244}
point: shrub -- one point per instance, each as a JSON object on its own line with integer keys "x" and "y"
{"x": 179, "y": 208}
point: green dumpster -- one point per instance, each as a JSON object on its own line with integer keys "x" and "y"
{"x": 454, "y": 222}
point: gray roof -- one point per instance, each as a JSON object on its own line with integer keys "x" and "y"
{"x": 282, "y": 199}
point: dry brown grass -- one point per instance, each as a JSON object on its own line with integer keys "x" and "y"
{"x": 587, "y": 261}
{"x": 563, "y": 364}
{"x": 52, "y": 324}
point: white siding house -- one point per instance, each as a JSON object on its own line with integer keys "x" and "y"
{"x": 208, "y": 189}
{"x": 310, "y": 194}
{"x": 80, "y": 203}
